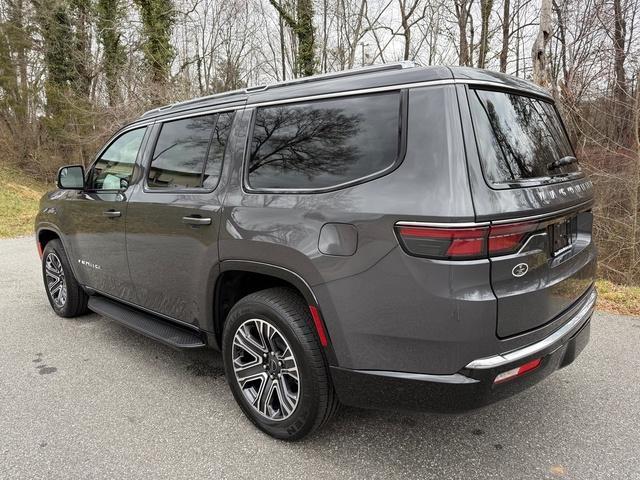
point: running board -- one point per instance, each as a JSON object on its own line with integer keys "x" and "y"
{"x": 147, "y": 324}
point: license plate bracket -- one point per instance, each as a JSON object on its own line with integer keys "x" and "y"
{"x": 563, "y": 235}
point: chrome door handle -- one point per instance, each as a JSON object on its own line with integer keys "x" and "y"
{"x": 111, "y": 213}
{"x": 196, "y": 220}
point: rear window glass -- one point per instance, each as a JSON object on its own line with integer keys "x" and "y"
{"x": 324, "y": 143}
{"x": 520, "y": 138}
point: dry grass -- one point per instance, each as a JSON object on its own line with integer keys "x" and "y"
{"x": 19, "y": 197}
{"x": 618, "y": 298}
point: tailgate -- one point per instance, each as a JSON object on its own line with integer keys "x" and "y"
{"x": 551, "y": 271}
{"x": 527, "y": 183}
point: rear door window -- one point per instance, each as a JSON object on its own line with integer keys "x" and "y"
{"x": 325, "y": 143}
{"x": 521, "y": 139}
{"x": 180, "y": 153}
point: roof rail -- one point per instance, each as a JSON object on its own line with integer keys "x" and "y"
{"x": 339, "y": 74}
{"x": 295, "y": 81}
{"x": 194, "y": 100}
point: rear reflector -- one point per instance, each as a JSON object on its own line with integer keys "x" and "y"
{"x": 516, "y": 372}
{"x": 317, "y": 322}
{"x": 464, "y": 243}
{"x": 39, "y": 249}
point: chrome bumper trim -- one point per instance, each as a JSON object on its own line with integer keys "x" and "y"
{"x": 506, "y": 358}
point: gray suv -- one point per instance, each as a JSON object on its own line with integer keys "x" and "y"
{"x": 394, "y": 236}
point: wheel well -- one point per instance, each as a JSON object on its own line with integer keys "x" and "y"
{"x": 233, "y": 285}
{"x": 45, "y": 236}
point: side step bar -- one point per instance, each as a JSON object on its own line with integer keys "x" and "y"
{"x": 147, "y": 324}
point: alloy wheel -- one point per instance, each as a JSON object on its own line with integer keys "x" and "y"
{"x": 56, "y": 283}
{"x": 266, "y": 369}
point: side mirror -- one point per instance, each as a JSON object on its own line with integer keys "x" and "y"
{"x": 71, "y": 177}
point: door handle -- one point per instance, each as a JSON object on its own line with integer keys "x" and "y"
{"x": 196, "y": 220}
{"x": 111, "y": 213}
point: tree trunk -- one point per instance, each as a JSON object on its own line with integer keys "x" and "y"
{"x": 539, "y": 50}
{"x": 621, "y": 95}
{"x": 157, "y": 22}
{"x": 504, "y": 53}
{"x": 302, "y": 25}
{"x": 485, "y": 11}
{"x": 462, "y": 9}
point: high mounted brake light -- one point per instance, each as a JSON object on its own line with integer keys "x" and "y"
{"x": 464, "y": 243}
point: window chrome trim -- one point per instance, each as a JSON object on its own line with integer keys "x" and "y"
{"x": 200, "y": 113}
{"x": 500, "y": 360}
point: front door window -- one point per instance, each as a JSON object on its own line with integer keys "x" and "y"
{"x": 114, "y": 168}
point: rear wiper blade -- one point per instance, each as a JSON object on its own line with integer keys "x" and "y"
{"x": 561, "y": 162}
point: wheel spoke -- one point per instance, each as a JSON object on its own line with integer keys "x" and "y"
{"x": 56, "y": 290}
{"x": 244, "y": 341}
{"x": 286, "y": 398}
{"x": 246, "y": 373}
{"x": 264, "y": 395}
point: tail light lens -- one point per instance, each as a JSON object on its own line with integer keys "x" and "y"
{"x": 464, "y": 243}
{"x": 444, "y": 243}
{"x": 508, "y": 238}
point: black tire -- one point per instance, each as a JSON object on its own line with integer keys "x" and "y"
{"x": 285, "y": 310}
{"x": 75, "y": 302}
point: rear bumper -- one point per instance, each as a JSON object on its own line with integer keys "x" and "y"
{"x": 473, "y": 386}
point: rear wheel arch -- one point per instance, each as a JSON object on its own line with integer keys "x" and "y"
{"x": 238, "y": 278}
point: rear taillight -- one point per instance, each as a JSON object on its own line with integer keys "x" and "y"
{"x": 444, "y": 243}
{"x": 508, "y": 238}
{"x": 464, "y": 243}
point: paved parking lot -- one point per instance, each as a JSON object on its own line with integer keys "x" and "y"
{"x": 86, "y": 398}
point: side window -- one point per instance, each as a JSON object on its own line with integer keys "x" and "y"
{"x": 324, "y": 143}
{"x": 113, "y": 170}
{"x": 216, "y": 149}
{"x": 179, "y": 155}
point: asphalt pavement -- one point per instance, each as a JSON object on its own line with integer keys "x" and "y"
{"x": 87, "y": 398}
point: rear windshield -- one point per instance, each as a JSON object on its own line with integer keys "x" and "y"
{"x": 521, "y": 139}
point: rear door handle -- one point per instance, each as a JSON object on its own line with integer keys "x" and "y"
{"x": 196, "y": 220}
{"x": 111, "y": 213}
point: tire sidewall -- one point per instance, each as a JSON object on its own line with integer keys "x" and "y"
{"x": 303, "y": 418}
